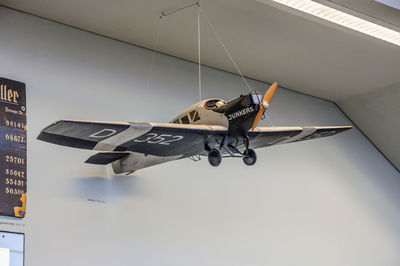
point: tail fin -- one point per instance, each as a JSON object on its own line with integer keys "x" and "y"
{"x": 104, "y": 158}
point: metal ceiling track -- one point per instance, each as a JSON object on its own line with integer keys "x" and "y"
{"x": 168, "y": 12}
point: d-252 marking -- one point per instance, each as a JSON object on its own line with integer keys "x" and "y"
{"x": 163, "y": 139}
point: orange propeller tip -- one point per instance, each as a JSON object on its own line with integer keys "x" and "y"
{"x": 270, "y": 92}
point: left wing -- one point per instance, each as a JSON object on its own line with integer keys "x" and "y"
{"x": 159, "y": 139}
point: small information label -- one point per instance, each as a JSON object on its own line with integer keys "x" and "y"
{"x": 12, "y": 148}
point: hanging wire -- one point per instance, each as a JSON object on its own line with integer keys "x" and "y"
{"x": 199, "y": 10}
{"x": 198, "y": 48}
{"x": 269, "y": 120}
{"x": 223, "y": 45}
{"x": 153, "y": 56}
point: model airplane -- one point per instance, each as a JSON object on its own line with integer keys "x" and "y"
{"x": 211, "y": 127}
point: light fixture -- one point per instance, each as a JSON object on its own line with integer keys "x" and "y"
{"x": 391, "y": 3}
{"x": 342, "y": 18}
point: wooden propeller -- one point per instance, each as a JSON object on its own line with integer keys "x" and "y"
{"x": 264, "y": 104}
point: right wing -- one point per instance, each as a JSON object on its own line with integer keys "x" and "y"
{"x": 267, "y": 136}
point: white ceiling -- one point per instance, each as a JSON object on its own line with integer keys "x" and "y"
{"x": 269, "y": 43}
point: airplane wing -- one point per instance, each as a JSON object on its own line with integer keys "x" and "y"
{"x": 159, "y": 139}
{"x": 267, "y": 136}
{"x": 116, "y": 140}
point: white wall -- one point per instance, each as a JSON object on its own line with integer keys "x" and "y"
{"x": 332, "y": 201}
{"x": 380, "y": 106}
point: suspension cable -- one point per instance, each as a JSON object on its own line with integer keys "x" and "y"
{"x": 153, "y": 56}
{"x": 199, "y": 12}
{"x": 199, "y": 48}
{"x": 223, "y": 45}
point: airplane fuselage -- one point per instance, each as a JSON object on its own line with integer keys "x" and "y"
{"x": 237, "y": 115}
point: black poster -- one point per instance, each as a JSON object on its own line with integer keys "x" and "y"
{"x": 12, "y": 148}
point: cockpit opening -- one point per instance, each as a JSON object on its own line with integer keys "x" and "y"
{"x": 214, "y": 103}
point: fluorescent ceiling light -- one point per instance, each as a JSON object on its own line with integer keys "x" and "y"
{"x": 343, "y": 19}
{"x": 391, "y": 3}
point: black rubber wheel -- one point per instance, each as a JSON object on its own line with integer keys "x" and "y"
{"x": 251, "y": 157}
{"x": 214, "y": 157}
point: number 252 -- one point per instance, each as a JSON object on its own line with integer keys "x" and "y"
{"x": 163, "y": 139}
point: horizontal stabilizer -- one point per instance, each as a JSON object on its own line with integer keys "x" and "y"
{"x": 106, "y": 157}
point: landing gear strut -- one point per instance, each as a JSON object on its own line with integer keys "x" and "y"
{"x": 249, "y": 156}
